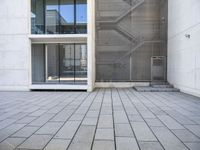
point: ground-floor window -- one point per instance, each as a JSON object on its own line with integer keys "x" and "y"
{"x": 59, "y": 63}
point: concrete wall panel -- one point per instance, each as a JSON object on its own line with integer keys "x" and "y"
{"x": 183, "y": 52}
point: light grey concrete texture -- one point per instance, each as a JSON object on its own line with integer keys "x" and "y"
{"x": 183, "y": 51}
{"x": 106, "y": 119}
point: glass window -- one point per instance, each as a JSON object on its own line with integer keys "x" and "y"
{"x": 80, "y": 63}
{"x": 37, "y": 17}
{"x": 38, "y": 63}
{"x": 52, "y": 17}
{"x": 67, "y": 16}
{"x": 81, "y": 16}
{"x": 67, "y": 63}
{"x": 59, "y": 16}
{"x": 59, "y": 63}
{"x": 52, "y": 63}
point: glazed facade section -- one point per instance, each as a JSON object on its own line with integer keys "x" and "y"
{"x": 129, "y": 34}
{"x": 59, "y": 16}
{"x": 59, "y": 63}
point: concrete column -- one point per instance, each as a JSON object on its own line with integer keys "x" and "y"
{"x": 91, "y": 44}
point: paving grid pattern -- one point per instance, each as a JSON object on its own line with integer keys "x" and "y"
{"x": 106, "y": 119}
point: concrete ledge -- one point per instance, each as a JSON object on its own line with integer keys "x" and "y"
{"x": 120, "y": 84}
{"x": 65, "y": 38}
{"x": 57, "y": 87}
{"x": 13, "y": 88}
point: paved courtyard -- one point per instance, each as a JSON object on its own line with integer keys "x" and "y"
{"x": 106, "y": 119}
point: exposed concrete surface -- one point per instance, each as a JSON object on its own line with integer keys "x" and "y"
{"x": 184, "y": 52}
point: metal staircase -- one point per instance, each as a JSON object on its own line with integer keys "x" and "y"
{"x": 114, "y": 25}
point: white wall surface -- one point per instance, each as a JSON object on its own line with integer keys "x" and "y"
{"x": 184, "y": 53}
{"x": 14, "y": 44}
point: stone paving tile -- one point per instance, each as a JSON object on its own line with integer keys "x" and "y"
{"x": 26, "y": 120}
{"x": 143, "y": 132}
{"x": 104, "y": 134}
{"x": 83, "y": 139}
{"x": 68, "y": 130}
{"x": 90, "y": 121}
{"x": 25, "y": 132}
{"x": 40, "y": 121}
{"x": 150, "y": 146}
{"x": 107, "y": 119}
{"x": 154, "y": 122}
{"x": 123, "y": 130}
{"x": 168, "y": 139}
{"x": 170, "y": 122}
{"x": 126, "y": 143}
{"x": 103, "y": 145}
{"x": 8, "y": 131}
{"x": 11, "y": 143}
{"x": 57, "y": 144}
{"x": 186, "y": 136}
{"x": 194, "y": 129}
{"x": 35, "y": 142}
{"x": 50, "y": 128}
{"x": 193, "y": 146}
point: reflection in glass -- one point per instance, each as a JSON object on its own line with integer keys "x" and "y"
{"x": 80, "y": 63}
{"x": 52, "y": 63}
{"x": 67, "y": 16}
{"x": 37, "y": 17}
{"x": 67, "y": 63}
{"x": 52, "y": 17}
{"x": 81, "y": 16}
{"x": 59, "y": 63}
{"x": 38, "y": 63}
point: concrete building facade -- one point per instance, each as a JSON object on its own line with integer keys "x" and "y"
{"x": 83, "y": 44}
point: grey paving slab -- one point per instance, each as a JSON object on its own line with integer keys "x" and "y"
{"x": 57, "y": 144}
{"x": 104, "y": 134}
{"x": 150, "y": 146}
{"x": 154, "y": 122}
{"x": 123, "y": 130}
{"x": 193, "y": 146}
{"x": 168, "y": 139}
{"x": 126, "y": 143}
{"x": 186, "y": 136}
{"x": 194, "y": 129}
{"x": 90, "y": 121}
{"x": 35, "y": 142}
{"x": 83, "y": 139}
{"x": 105, "y": 121}
{"x": 143, "y": 132}
{"x": 103, "y": 145}
{"x": 170, "y": 122}
{"x": 11, "y": 143}
{"x": 68, "y": 130}
{"x": 50, "y": 128}
{"x": 8, "y": 131}
{"x": 25, "y": 132}
{"x": 40, "y": 121}
{"x": 26, "y": 119}
{"x": 100, "y": 120}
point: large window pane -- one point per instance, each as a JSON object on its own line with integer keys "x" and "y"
{"x": 38, "y": 63}
{"x": 81, "y": 16}
{"x": 52, "y": 17}
{"x": 67, "y": 63}
{"x": 67, "y": 16}
{"x": 52, "y": 63}
{"x": 37, "y": 17}
{"x": 81, "y": 63}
